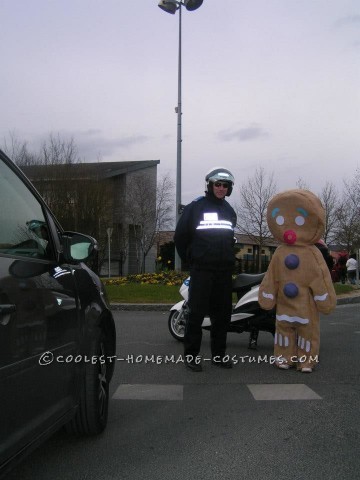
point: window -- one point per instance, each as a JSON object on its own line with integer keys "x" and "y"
{"x": 23, "y": 231}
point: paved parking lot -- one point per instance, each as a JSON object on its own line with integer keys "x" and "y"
{"x": 251, "y": 422}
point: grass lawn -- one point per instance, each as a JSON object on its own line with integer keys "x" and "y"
{"x": 343, "y": 288}
{"x": 146, "y": 293}
{"x": 140, "y": 293}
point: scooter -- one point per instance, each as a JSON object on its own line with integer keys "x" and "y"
{"x": 247, "y": 316}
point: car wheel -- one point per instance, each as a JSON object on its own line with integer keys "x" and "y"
{"x": 176, "y": 324}
{"x": 92, "y": 413}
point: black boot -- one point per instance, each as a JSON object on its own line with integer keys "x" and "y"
{"x": 222, "y": 361}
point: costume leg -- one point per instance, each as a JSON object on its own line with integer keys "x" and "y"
{"x": 220, "y": 311}
{"x": 308, "y": 344}
{"x": 285, "y": 342}
{"x": 199, "y": 292}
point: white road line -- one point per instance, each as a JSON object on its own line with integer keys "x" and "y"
{"x": 273, "y": 392}
{"x": 149, "y": 392}
{"x": 297, "y": 391}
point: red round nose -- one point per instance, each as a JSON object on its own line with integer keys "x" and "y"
{"x": 289, "y": 237}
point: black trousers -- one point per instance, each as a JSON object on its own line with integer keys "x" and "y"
{"x": 210, "y": 293}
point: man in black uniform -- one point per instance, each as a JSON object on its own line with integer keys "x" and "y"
{"x": 204, "y": 238}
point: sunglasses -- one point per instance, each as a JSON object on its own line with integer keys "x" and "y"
{"x": 221, "y": 184}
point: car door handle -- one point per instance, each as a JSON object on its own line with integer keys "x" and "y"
{"x": 5, "y": 309}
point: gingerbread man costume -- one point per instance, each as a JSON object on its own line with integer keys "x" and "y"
{"x": 298, "y": 281}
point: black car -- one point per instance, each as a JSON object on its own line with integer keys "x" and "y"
{"x": 57, "y": 333}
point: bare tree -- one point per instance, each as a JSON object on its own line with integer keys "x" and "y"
{"x": 54, "y": 151}
{"x": 18, "y": 151}
{"x": 57, "y": 151}
{"x": 301, "y": 183}
{"x": 148, "y": 213}
{"x": 255, "y": 194}
{"x": 164, "y": 203}
{"x": 329, "y": 199}
{"x": 348, "y": 214}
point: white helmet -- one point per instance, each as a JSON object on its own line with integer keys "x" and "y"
{"x": 217, "y": 174}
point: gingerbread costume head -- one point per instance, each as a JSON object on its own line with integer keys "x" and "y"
{"x": 296, "y": 217}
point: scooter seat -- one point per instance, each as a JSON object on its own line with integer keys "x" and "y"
{"x": 247, "y": 280}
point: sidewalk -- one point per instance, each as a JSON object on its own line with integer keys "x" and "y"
{"x": 348, "y": 298}
{"x": 352, "y": 297}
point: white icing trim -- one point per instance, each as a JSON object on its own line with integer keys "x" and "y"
{"x": 287, "y": 318}
{"x": 321, "y": 298}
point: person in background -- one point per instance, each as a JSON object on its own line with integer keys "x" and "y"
{"x": 351, "y": 267}
{"x": 204, "y": 238}
{"x": 321, "y": 245}
{"x": 341, "y": 267}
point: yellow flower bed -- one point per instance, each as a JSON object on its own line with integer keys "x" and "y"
{"x": 169, "y": 278}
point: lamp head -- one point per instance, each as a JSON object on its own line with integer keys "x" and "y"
{"x": 192, "y": 4}
{"x": 169, "y": 6}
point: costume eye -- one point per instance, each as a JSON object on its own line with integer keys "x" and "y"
{"x": 299, "y": 220}
{"x": 280, "y": 220}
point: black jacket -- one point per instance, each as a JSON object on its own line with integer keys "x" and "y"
{"x": 204, "y": 235}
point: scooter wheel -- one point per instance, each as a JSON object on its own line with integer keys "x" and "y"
{"x": 176, "y": 324}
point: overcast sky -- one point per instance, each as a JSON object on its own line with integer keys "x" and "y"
{"x": 272, "y": 83}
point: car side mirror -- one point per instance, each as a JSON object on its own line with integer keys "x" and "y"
{"x": 78, "y": 247}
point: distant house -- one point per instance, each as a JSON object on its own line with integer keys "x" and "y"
{"x": 248, "y": 250}
{"x": 93, "y": 199}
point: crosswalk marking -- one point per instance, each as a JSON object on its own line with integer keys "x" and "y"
{"x": 149, "y": 392}
{"x": 281, "y": 391}
{"x": 271, "y": 392}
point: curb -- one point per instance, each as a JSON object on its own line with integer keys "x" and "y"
{"x": 348, "y": 300}
{"x": 165, "y": 307}
{"x": 143, "y": 307}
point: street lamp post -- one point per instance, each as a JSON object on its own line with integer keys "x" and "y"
{"x": 109, "y": 233}
{"x": 171, "y": 6}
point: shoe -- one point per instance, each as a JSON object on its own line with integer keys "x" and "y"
{"x": 282, "y": 363}
{"x": 282, "y": 366}
{"x": 306, "y": 370}
{"x": 193, "y": 366}
{"x": 220, "y": 362}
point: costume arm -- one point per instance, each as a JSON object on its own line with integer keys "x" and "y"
{"x": 322, "y": 286}
{"x": 269, "y": 288}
